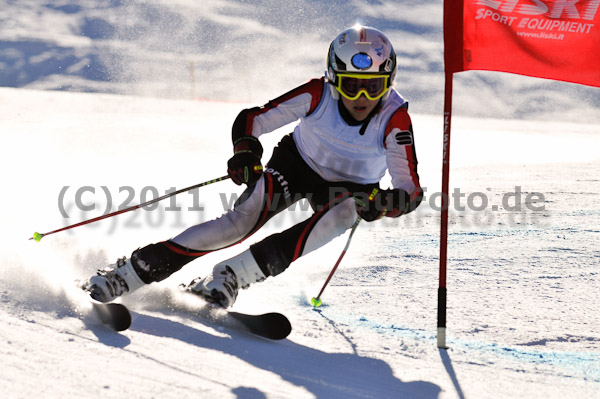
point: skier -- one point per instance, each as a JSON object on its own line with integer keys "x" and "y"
{"x": 353, "y": 127}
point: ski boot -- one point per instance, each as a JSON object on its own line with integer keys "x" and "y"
{"x": 221, "y": 287}
{"x": 113, "y": 281}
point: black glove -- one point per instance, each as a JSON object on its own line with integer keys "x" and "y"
{"x": 245, "y": 166}
{"x": 380, "y": 203}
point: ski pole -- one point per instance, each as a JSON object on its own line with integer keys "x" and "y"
{"x": 316, "y": 301}
{"x": 38, "y": 236}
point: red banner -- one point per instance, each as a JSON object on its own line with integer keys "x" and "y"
{"x": 553, "y": 39}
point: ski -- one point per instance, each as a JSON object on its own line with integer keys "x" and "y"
{"x": 114, "y": 315}
{"x": 273, "y": 325}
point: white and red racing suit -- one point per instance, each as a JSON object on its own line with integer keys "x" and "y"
{"x": 327, "y": 159}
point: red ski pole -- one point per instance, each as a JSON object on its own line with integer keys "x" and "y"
{"x": 38, "y": 236}
{"x": 316, "y": 301}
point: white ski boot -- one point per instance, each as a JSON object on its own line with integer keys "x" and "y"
{"x": 113, "y": 281}
{"x": 221, "y": 287}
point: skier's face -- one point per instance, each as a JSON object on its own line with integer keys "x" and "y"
{"x": 359, "y": 108}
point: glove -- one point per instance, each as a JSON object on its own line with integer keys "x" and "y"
{"x": 380, "y": 203}
{"x": 245, "y": 166}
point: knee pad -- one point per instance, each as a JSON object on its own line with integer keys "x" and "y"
{"x": 156, "y": 262}
{"x": 271, "y": 259}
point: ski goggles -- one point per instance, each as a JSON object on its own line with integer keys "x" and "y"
{"x": 352, "y": 85}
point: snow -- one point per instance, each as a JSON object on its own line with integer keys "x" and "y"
{"x": 523, "y": 286}
{"x": 523, "y": 283}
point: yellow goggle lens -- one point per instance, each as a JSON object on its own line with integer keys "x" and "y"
{"x": 352, "y": 86}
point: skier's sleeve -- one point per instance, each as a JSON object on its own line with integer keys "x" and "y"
{"x": 293, "y": 105}
{"x": 401, "y": 156}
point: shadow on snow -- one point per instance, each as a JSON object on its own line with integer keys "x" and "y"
{"x": 326, "y": 375}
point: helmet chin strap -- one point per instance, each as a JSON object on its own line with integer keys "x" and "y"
{"x": 331, "y": 83}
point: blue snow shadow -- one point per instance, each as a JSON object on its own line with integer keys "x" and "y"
{"x": 326, "y": 375}
{"x": 584, "y": 365}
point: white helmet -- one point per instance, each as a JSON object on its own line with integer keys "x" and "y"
{"x": 361, "y": 50}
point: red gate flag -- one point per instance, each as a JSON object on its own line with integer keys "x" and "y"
{"x": 553, "y": 39}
